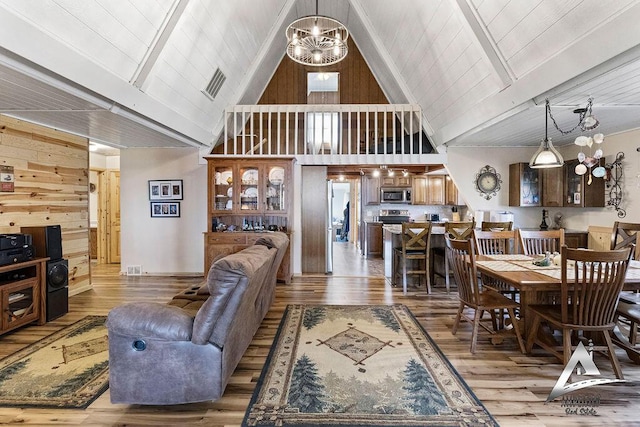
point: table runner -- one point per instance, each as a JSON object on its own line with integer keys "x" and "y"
{"x": 509, "y": 257}
{"x": 501, "y": 265}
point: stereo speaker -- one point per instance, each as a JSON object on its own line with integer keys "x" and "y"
{"x": 47, "y": 240}
{"x": 57, "y": 288}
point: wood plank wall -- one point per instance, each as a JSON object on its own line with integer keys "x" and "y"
{"x": 51, "y": 187}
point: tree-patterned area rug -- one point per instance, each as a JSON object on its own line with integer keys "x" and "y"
{"x": 359, "y": 366}
{"x": 67, "y": 369}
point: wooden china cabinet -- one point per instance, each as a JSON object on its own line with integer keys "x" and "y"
{"x": 247, "y": 199}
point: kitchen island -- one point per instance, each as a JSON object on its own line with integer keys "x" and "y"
{"x": 392, "y": 239}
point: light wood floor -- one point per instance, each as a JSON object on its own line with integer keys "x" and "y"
{"x": 513, "y": 386}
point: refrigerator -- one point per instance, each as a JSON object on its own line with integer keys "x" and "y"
{"x": 329, "y": 226}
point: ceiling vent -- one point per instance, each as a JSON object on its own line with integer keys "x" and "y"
{"x": 215, "y": 84}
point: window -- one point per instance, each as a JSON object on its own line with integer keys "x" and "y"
{"x": 323, "y": 128}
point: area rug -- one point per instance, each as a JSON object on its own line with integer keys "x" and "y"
{"x": 359, "y": 366}
{"x": 67, "y": 369}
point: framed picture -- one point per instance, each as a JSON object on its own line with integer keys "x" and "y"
{"x": 165, "y": 209}
{"x": 165, "y": 189}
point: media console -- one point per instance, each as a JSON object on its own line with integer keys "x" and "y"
{"x": 22, "y": 294}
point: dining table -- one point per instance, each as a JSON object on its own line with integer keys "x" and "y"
{"x": 535, "y": 282}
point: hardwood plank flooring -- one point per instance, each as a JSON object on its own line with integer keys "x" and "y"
{"x": 513, "y": 386}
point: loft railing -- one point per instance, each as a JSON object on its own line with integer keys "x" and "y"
{"x": 326, "y": 132}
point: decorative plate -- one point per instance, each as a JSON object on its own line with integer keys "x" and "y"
{"x": 251, "y": 192}
{"x": 230, "y": 192}
{"x": 276, "y": 175}
{"x": 250, "y": 176}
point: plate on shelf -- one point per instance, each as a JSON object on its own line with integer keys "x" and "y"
{"x": 229, "y": 205}
{"x": 250, "y": 176}
{"x": 251, "y": 192}
{"x": 276, "y": 176}
{"x": 230, "y": 192}
{"x": 225, "y": 178}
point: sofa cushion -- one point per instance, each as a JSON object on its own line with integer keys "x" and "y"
{"x": 227, "y": 276}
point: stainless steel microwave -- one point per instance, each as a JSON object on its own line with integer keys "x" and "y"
{"x": 395, "y": 195}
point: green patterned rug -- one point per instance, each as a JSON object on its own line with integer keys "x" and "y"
{"x": 359, "y": 366}
{"x": 67, "y": 369}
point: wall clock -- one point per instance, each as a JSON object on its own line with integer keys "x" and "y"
{"x": 488, "y": 182}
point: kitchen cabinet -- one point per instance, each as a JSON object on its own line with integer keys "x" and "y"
{"x": 370, "y": 190}
{"x": 419, "y": 189}
{"x": 524, "y": 185}
{"x": 373, "y": 239}
{"x": 552, "y": 187}
{"x": 582, "y": 190}
{"x": 22, "y": 294}
{"x": 436, "y": 190}
{"x": 576, "y": 239}
{"x": 395, "y": 181}
{"x": 452, "y": 195}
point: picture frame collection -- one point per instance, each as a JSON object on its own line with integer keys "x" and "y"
{"x": 164, "y": 196}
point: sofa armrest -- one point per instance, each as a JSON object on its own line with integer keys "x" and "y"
{"x": 150, "y": 320}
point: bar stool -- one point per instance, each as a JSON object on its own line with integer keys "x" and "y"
{"x": 457, "y": 230}
{"x": 496, "y": 226}
{"x": 412, "y": 258}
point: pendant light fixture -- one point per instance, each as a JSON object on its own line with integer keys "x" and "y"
{"x": 317, "y": 40}
{"x": 547, "y": 156}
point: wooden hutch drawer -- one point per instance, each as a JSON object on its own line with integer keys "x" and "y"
{"x": 226, "y": 239}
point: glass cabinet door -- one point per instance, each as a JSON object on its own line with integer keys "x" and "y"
{"x": 276, "y": 188}
{"x": 573, "y": 183}
{"x": 223, "y": 188}
{"x": 249, "y": 195}
{"x": 530, "y": 187}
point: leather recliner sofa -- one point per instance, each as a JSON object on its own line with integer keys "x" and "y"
{"x": 186, "y": 351}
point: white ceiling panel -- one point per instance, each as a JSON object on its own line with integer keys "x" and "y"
{"x": 480, "y": 69}
{"x": 117, "y": 36}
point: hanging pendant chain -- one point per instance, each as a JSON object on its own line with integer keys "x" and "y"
{"x": 584, "y": 112}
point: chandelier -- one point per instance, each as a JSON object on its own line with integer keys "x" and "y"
{"x": 317, "y": 40}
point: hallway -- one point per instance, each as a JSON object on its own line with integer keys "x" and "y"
{"x": 347, "y": 262}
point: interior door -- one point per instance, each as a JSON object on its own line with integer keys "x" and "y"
{"x": 113, "y": 217}
{"x": 314, "y": 219}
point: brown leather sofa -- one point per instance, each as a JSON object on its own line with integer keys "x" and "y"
{"x": 186, "y": 351}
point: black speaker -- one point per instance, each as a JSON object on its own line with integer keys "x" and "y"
{"x": 47, "y": 240}
{"x": 57, "y": 288}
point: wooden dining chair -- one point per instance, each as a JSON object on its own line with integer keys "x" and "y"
{"x": 624, "y": 235}
{"x": 539, "y": 242}
{"x": 496, "y": 226}
{"x": 459, "y": 230}
{"x": 462, "y": 256}
{"x": 495, "y": 242}
{"x": 413, "y": 256}
{"x": 589, "y": 292}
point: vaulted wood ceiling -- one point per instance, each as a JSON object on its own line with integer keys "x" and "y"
{"x": 130, "y": 73}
